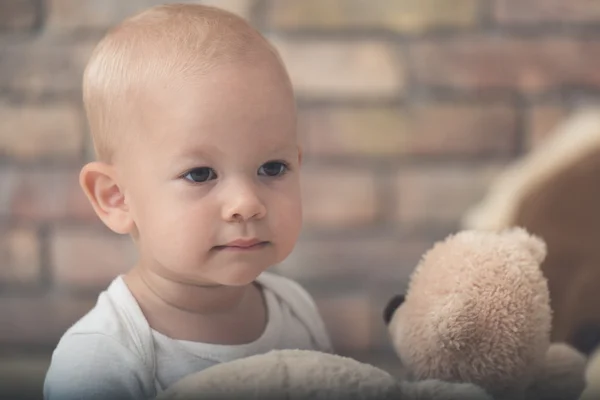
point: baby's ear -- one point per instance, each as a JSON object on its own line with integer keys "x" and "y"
{"x": 98, "y": 181}
{"x": 391, "y": 308}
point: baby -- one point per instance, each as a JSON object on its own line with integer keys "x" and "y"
{"x": 193, "y": 119}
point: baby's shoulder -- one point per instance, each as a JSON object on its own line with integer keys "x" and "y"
{"x": 115, "y": 321}
{"x": 100, "y": 356}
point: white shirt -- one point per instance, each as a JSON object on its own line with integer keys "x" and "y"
{"x": 112, "y": 353}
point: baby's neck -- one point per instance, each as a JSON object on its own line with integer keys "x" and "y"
{"x": 207, "y": 300}
{"x": 210, "y": 314}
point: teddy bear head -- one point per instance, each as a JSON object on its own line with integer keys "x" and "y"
{"x": 476, "y": 310}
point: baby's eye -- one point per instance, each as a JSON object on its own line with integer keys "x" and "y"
{"x": 199, "y": 175}
{"x": 273, "y": 168}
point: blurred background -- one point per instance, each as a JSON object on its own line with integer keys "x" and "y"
{"x": 408, "y": 110}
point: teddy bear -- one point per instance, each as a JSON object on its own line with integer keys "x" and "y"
{"x": 477, "y": 309}
{"x": 553, "y": 192}
{"x": 474, "y": 325}
{"x": 592, "y": 375}
{"x": 310, "y": 375}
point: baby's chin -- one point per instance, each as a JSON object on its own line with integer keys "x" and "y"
{"x": 242, "y": 276}
{"x": 237, "y": 275}
{"x": 225, "y": 267}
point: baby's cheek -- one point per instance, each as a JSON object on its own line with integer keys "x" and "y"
{"x": 287, "y": 226}
{"x": 178, "y": 235}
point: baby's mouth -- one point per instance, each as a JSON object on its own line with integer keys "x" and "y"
{"x": 243, "y": 245}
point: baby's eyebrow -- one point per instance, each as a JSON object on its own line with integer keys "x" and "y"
{"x": 205, "y": 151}
{"x": 210, "y": 153}
{"x": 287, "y": 148}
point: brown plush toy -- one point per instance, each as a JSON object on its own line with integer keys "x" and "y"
{"x": 554, "y": 192}
{"x": 477, "y": 310}
{"x": 310, "y": 375}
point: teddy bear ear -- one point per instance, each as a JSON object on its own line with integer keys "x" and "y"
{"x": 391, "y": 307}
{"x": 535, "y": 245}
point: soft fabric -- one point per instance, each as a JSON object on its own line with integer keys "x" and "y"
{"x": 554, "y": 192}
{"x": 478, "y": 310}
{"x": 309, "y": 375}
{"x": 562, "y": 376}
{"x": 112, "y": 353}
{"x": 592, "y": 376}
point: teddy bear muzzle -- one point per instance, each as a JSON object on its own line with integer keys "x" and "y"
{"x": 391, "y": 307}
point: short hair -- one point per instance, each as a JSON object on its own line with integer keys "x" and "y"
{"x": 182, "y": 39}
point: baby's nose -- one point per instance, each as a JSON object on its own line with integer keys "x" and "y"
{"x": 242, "y": 202}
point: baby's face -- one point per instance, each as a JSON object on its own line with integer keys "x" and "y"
{"x": 213, "y": 182}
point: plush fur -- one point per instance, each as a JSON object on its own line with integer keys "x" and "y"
{"x": 478, "y": 310}
{"x": 592, "y": 375}
{"x": 554, "y": 192}
{"x": 304, "y": 375}
{"x": 562, "y": 376}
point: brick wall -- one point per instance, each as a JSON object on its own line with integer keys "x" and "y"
{"x": 408, "y": 108}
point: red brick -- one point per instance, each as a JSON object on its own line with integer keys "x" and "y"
{"x": 425, "y": 129}
{"x": 72, "y": 15}
{"x": 43, "y": 195}
{"x": 546, "y": 11}
{"x": 20, "y": 255}
{"x": 413, "y": 16}
{"x": 39, "y": 320}
{"x": 348, "y": 320}
{"x": 43, "y": 65}
{"x": 337, "y": 198}
{"x": 440, "y": 194}
{"x": 41, "y": 131}
{"x": 341, "y": 69}
{"x": 89, "y": 257}
{"x": 529, "y": 64}
{"x": 542, "y": 121}
{"x": 18, "y": 15}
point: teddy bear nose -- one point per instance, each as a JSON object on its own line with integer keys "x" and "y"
{"x": 391, "y": 307}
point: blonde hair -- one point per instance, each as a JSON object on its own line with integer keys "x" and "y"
{"x": 185, "y": 40}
